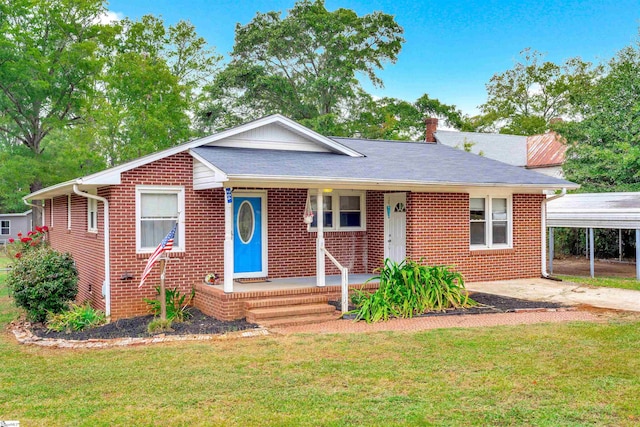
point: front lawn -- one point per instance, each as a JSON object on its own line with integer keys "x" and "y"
{"x": 609, "y": 282}
{"x": 556, "y": 374}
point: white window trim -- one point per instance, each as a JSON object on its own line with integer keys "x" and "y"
{"x": 335, "y": 208}
{"x": 92, "y": 206}
{"x": 154, "y": 189}
{"x": 9, "y": 227}
{"x": 488, "y": 229}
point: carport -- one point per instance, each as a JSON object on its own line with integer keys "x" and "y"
{"x": 595, "y": 210}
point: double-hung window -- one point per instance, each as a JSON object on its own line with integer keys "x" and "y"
{"x": 490, "y": 222}
{"x": 157, "y": 211}
{"x": 343, "y": 211}
{"x": 5, "y": 227}
{"x": 92, "y": 213}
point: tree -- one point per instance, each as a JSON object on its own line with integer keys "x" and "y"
{"x": 523, "y": 100}
{"x": 304, "y": 65}
{"x": 149, "y": 89}
{"x": 47, "y": 65}
{"x": 604, "y": 147}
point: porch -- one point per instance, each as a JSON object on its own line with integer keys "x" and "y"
{"x": 278, "y": 302}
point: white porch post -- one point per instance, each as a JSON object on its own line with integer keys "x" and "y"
{"x": 228, "y": 241}
{"x": 320, "y": 239}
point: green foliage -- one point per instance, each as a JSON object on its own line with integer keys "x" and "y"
{"x": 43, "y": 281}
{"x": 304, "y": 65}
{"x": 177, "y": 304}
{"x": 572, "y": 241}
{"x": 77, "y": 318}
{"x": 604, "y": 147}
{"x": 524, "y": 99}
{"x": 409, "y": 288}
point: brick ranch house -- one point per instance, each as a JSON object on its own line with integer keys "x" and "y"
{"x": 239, "y": 197}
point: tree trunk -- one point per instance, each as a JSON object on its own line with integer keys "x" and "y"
{"x": 38, "y": 217}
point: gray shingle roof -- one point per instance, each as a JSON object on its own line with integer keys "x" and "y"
{"x": 415, "y": 162}
{"x": 511, "y": 149}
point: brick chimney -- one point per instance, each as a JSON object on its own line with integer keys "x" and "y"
{"x": 431, "y": 128}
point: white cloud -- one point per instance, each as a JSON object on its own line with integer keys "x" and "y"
{"x": 109, "y": 16}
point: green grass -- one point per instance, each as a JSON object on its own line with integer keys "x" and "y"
{"x": 4, "y": 260}
{"x": 608, "y": 282}
{"x": 544, "y": 375}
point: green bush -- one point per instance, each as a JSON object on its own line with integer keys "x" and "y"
{"x": 409, "y": 288}
{"x": 176, "y": 305}
{"x": 43, "y": 281}
{"x": 77, "y": 318}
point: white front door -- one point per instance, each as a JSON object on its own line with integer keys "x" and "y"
{"x": 395, "y": 226}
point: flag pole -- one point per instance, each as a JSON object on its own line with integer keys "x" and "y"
{"x": 163, "y": 294}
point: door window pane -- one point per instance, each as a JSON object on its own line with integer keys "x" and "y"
{"x": 246, "y": 222}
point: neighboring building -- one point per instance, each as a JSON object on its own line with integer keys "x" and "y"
{"x": 239, "y": 197}
{"x": 544, "y": 153}
{"x": 13, "y": 223}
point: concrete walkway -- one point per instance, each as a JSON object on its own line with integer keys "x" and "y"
{"x": 570, "y": 293}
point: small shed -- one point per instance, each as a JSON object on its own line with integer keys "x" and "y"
{"x": 13, "y": 223}
{"x": 595, "y": 210}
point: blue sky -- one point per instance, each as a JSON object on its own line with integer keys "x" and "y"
{"x": 452, "y": 47}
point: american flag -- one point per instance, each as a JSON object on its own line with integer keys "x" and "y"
{"x": 165, "y": 245}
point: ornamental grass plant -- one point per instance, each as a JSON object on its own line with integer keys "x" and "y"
{"x": 410, "y": 288}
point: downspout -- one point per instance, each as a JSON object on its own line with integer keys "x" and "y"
{"x": 545, "y": 274}
{"x": 106, "y": 285}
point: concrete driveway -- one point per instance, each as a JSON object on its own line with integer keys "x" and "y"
{"x": 539, "y": 289}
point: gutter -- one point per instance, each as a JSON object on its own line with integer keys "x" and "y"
{"x": 40, "y": 208}
{"x": 106, "y": 284}
{"x": 543, "y": 221}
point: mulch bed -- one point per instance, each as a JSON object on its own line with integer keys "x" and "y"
{"x": 198, "y": 323}
{"x": 487, "y": 303}
{"x": 136, "y": 327}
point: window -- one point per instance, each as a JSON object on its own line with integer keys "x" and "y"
{"x": 157, "y": 210}
{"x": 343, "y": 210}
{"x": 490, "y": 222}
{"x": 92, "y": 213}
{"x": 5, "y": 227}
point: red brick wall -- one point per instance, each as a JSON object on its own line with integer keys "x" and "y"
{"x": 87, "y": 248}
{"x": 292, "y": 248}
{"x": 438, "y": 230}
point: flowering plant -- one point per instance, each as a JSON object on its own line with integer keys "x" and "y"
{"x": 211, "y": 279}
{"x": 17, "y": 247}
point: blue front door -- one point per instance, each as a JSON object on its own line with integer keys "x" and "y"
{"x": 247, "y": 239}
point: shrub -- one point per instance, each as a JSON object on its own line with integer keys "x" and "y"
{"x": 43, "y": 281}
{"x": 79, "y": 317}
{"x": 159, "y": 325}
{"x": 176, "y": 305}
{"x": 409, "y": 288}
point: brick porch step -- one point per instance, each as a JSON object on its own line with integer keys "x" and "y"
{"x": 285, "y": 301}
{"x": 300, "y": 320}
{"x": 258, "y": 315}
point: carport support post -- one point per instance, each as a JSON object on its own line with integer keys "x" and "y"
{"x": 591, "y": 253}
{"x": 637, "y": 253}
{"x": 320, "y": 239}
{"x": 551, "y": 250}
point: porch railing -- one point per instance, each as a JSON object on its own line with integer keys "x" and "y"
{"x": 344, "y": 281}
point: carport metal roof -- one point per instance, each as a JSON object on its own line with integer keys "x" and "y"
{"x": 595, "y": 210}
